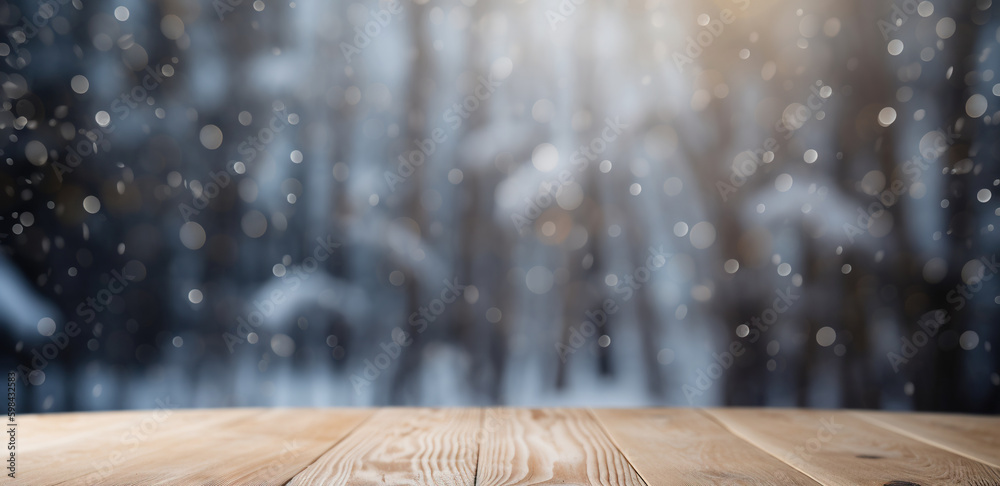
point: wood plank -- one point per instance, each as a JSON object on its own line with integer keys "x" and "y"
{"x": 522, "y": 446}
{"x": 106, "y": 444}
{"x": 508, "y": 446}
{"x": 838, "y": 448}
{"x": 269, "y": 446}
{"x": 684, "y": 446}
{"x": 413, "y": 446}
{"x": 972, "y": 436}
{"x": 45, "y": 431}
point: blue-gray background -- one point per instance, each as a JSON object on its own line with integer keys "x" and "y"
{"x": 145, "y": 101}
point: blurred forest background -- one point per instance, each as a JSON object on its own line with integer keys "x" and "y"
{"x": 175, "y": 173}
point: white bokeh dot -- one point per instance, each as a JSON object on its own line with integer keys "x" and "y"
{"x": 702, "y": 235}
{"x": 539, "y": 280}
{"x": 826, "y": 336}
{"x": 545, "y": 157}
{"x": 46, "y": 326}
{"x": 968, "y": 340}
{"x": 783, "y": 182}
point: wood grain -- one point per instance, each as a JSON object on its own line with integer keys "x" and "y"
{"x": 403, "y": 447}
{"x": 274, "y": 445}
{"x": 969, "y": 435}
{"x": 839, "y": 448}
{"x": 451, "y": 447}
{"x": 684, "y": 446}
{"x": 522, "y": 446}
{"x": 40, "y": 432}
{"x": 82, "y": 456}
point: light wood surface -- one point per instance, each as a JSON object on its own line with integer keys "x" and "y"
{"x": 99, "y": 452}
{"x": 971, "y": 436}
{"x": 549, "y": 445}
{"x": 403, "y": 446}
{"x": 275, "y": 445}
{"x": 842, "y": 449}
{"x": 688, "y": 447}
{"x": 501, "y": 446}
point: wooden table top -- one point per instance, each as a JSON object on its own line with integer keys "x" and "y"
{"x": 466, "y": 446}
